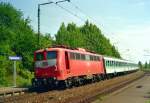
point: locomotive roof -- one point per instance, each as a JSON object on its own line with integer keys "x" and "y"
{"x": 80, "y": 50}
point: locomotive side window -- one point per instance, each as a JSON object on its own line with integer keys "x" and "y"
{"x": 87, "y": 57}
{"x": 82, "y": 57}
{"x": 98, "y": 58}
{"x": 95, "y": 58}
{"x": 77, "y": 56}
{"x": 72, "y": 55}
{"x": 91, "y": 58}
{"x": 39, "y": 56}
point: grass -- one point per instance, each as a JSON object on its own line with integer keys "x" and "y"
{"x": 148, "y": 101}
{"x": 23, "y": 79}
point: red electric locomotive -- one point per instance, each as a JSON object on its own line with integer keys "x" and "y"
{"x": 66, "y": 67}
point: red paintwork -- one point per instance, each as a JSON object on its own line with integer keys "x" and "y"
{"x": 46, "y": 72}
{"x": 75, "y": 67}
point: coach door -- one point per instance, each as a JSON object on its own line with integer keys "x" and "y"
{"x": 67, "y": 62}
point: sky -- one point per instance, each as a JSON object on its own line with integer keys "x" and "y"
{"x": 125, "y": 22}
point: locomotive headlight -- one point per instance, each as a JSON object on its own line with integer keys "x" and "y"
{"x": 54, "y": 78}
{"x": 44, "y": 79}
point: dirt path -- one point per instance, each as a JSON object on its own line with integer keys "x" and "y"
{"x": 136, "y": 92}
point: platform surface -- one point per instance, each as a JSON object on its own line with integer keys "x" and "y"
{"x": 136, "y": 92}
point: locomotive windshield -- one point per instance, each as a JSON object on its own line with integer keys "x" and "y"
{"x": 51, "y": 58}
{"x": 51, "y": 55}
{"x": 49, "y": 61}
{"x": 39, "y": 56}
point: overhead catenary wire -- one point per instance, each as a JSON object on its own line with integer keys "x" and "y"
{"x": 87, "y": 16}
{"x": 70, "y": 12}
{"x": 91, "y": 18}
{"x": 81, "y": 11}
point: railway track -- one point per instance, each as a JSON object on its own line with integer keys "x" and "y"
{"x": 83, "y": 94}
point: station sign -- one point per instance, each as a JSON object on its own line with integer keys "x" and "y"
{"x": 15, "y": 58}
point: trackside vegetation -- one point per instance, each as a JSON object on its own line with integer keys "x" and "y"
{"x": 17, "y": 38}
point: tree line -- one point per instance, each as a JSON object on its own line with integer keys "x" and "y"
{"x": 146, "y": 65}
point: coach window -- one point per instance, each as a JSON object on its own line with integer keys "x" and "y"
{"x": 112, "y": 63}
{"x": 108, "y": 63}
{"x": 116, "y": 64}
{"x": 105, "y": 63}
{"x": 125, "y": 64}
{"x": 121, "y": 63}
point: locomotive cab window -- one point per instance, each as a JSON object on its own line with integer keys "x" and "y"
{"x": 51, "y": 58}
{"x": 39, "y": 56}
{"x": 51, "y": 55}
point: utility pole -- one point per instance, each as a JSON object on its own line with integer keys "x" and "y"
{"x": 38, "y": 25}
{"x": 39, "y": 16}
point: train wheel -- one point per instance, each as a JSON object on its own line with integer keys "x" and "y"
{"x": 63, "y": 84}
{"x": 94, "y": 79}
{"x": 80, "y": 80}
{"x": 69, "y": 82}
{"x": 98, "y": 78}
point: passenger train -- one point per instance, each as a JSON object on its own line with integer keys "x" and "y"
{"x": 64, "y": 67}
